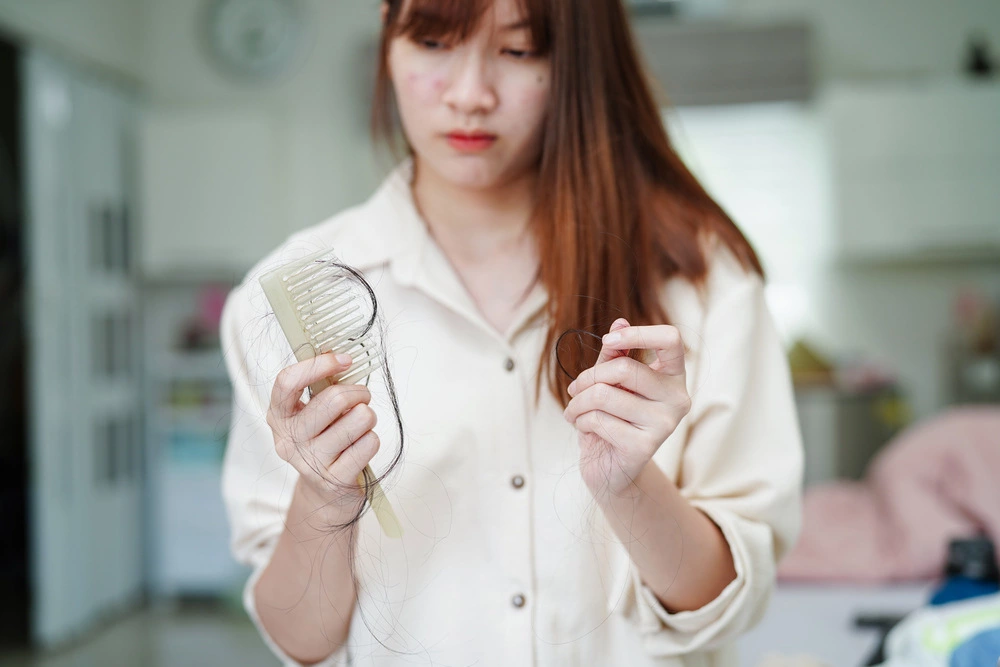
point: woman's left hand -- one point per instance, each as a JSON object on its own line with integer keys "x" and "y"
{"x": 625, "y": 409}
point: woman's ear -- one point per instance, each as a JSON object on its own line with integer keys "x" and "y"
{"x": 384, "y": 11}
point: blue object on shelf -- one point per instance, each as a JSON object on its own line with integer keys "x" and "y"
{"x": 982, "y": 650}
{"x": 962, "y": 588}
{"x": 195, "y": 448}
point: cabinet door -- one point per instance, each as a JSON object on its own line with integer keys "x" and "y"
{"x": 915, "y": 170}
{"x": 84, "y": 368}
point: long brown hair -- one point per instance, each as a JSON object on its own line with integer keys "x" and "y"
{"x": 617, "y": 211}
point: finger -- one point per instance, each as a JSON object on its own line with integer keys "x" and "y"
{"x": 665, "y": 340}
{"x": 606, "y": 426}
{"x": 625, "y": 372}
{"x": 354, "y": 459}
{"x": 331, "y": 443}
{"x": 615, "y": 401}
{"x": 292, "y": 381}
{"x": 327, "y": 406}
{"x": 608, "y": 353}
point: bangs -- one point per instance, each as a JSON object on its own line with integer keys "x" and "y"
{"x": 458, "y": 19}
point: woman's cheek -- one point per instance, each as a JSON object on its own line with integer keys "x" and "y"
{"x": 424, "y": 87}
{"x": 531, "y": 101}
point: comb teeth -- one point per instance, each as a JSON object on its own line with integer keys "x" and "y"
{"x": 330, "y": 314}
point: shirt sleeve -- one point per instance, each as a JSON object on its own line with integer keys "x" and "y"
{"x": 256, "y": 484}
{"x": 742, "y": 463}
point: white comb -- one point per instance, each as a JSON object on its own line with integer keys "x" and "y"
{"x": 319, "y": 312}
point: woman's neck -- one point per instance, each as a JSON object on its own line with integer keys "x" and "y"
{"x": 476, "y": 225}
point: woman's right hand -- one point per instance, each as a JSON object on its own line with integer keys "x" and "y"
{"x": 328, "y": 440}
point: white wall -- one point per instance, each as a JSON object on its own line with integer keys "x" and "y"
{"x": 769, "y": 165}
{"x": 899, "y": 316}
{"x": 104, "y": 33}
{"x": 316, "y": 116}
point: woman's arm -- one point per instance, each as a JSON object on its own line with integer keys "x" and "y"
{"x": 680, "y": 553}
{"x": 305, "y": 596}
{"x": 624, "y": 410}
{"x": 740, "y": 467}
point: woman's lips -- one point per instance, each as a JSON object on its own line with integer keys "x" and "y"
{"x": 471, "y": 143}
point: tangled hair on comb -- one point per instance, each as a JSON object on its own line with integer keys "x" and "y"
{"x": 376, "y": 328}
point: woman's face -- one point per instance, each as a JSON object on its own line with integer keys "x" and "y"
{"x": 473, "y": 111}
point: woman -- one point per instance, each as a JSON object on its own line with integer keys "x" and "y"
{"x": 629, "y": 511}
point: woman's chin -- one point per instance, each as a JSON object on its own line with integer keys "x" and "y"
{"x": 471, "y": 172}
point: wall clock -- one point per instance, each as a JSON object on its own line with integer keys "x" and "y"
{"x": 254, "y": 39}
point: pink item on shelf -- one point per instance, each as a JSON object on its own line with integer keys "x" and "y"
{"x": 210, "y": 302}
{"x": 935, "y": 481}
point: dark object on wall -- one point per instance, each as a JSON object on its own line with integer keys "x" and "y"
{"x": 978, "y": 60}
{"x": 646, "y": 7}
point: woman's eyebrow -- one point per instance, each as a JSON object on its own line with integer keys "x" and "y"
{"x": 519, "y": 25}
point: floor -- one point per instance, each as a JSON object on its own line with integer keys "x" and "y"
{"x": 165, "y": 636}
{"x": 802, "y": 621}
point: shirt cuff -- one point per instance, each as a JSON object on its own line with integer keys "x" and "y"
{"x": 666, "y": 633}
{"x": 339, "y": 658}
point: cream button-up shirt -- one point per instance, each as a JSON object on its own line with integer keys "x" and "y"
{"x": 505, "y": 559}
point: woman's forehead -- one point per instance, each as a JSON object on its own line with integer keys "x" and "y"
{"x": 465, "y": 16}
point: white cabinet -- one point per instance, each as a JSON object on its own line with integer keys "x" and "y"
{"x": 188, "y": 407}
{"x": 844, "y": 429}
{"x": 916, "y": 170}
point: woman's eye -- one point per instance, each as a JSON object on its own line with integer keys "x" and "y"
{"x": 519, "y": 53}
{"x": 431, "y": 44}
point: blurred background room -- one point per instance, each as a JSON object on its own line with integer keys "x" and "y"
{"x": 152, "y": 150}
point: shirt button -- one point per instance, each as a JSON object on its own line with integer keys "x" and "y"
{"x": 517, "y": 481}
{"x": 517, "y": 600}
{"x": 508, "y": 364}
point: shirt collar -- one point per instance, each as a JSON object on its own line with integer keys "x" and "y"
{"x": 391, "y": 231}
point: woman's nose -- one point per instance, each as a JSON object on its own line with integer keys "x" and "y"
{"x": 471, "y": 89}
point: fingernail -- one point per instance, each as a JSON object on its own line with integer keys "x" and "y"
{"x": 612, "y": 338}
{"x": 344, "y": 359}
{"x": 571, "y": 387}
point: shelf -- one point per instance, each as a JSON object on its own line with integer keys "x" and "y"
{"x": 200, "y": 365}
{"x": 196, "y": 418}
{"x": 943, "y": 256}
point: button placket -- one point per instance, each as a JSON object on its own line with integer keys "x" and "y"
{"x": 516, "y": 519}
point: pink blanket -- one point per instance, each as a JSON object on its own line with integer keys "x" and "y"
{"x": 937, "y": 480}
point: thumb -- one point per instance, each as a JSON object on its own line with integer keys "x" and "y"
{"x": 608, "y": 353}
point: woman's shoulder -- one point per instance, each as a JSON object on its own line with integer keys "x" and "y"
{"x": 726, "y": 272}
{"x": 726, "y": 277}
